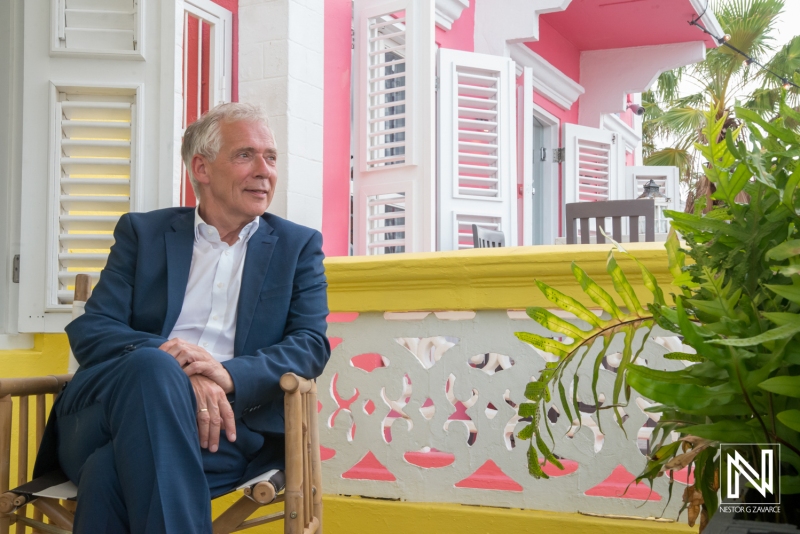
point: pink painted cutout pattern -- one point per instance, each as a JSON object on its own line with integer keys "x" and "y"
{"x": 490, "y": 477}
{"x": 429, "y": 458}
{"x": 342, "y": 405}
{"x": 369, "y": 468}
{"x": 342, "y": 317}
{"x": 369, "y": 361}
{"x": 325, "y": 453}
{"x": 618, "y": 482}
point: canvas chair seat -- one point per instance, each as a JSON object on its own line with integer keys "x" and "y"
{"x": 56, "y": 485}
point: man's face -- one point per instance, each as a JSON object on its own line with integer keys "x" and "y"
{"x": 240, "y": 182}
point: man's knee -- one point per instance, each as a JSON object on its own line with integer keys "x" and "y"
{"x": 151, "y": 365}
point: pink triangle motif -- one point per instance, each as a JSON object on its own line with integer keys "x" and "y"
{"x": 490, "y": 476}
{"x": 369, "y": 468}
{"x": 616, "y": 484}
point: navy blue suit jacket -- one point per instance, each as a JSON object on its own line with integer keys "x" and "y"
{"x": 281, "y": 313}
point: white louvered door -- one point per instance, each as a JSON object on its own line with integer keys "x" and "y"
{"x": 477, "y": 180}
{"x": 393, "y": 113}
{"x": 92, "y": 186}
{"x": 590, "y": 164}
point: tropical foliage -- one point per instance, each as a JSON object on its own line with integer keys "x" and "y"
{"x": 738, "y": 306}
{"x": 674, "y": 108}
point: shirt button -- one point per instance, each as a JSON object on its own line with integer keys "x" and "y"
{"x": 205, "y": 343}
{"x": 215, "y": 317}
{"x": 226, "y": 252}
{"x": 220, "y": 285}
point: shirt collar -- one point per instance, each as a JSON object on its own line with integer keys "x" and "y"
{"x": 210, "y": 233}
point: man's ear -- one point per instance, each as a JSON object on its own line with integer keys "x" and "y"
{"x": 200, "y": 169}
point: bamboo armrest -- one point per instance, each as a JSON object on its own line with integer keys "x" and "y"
{"x": 37, "y": 385}
{"x": 290, "y": 383}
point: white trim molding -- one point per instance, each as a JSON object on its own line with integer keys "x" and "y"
{"x": 629, "y": 136}
{"x": 16, "y": 341}
{"x": 449, "y": 11}
{"x": 708, "y": 18}
{"x": 500, "y": 22}
{"x": 547, "y": 79}
{"x": 609, "y": 75}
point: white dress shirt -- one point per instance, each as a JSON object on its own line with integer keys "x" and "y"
{"x": 208, "y": 315}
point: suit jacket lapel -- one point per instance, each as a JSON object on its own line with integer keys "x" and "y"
{"x": 180, "y": 245}
{"x": 256, "y": 264}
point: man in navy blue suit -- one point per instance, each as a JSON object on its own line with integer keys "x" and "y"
{"x": 197, "y": 315}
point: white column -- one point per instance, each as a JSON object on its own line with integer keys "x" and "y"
{"x": 280, "y": 68}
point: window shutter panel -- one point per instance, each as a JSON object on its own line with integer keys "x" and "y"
{"x": 477, "y": 150}
{"x": 668, "y": 180}
{"x": 94, "y": 169}
{"x": 394, "y": 127}
{"x": 590, "y": 164}
{"x": 97, "y": 25}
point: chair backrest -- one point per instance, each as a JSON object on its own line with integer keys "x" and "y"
{"x": 616, "y": 209}
{"x": 83, "y": 290}
{"x": 485, "y": 238}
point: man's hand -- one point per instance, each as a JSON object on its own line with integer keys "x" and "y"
{"x": 214, "y": 413}
{"x": 197, "y": 361}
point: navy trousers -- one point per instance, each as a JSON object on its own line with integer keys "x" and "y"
{"x": 127, "y": 436}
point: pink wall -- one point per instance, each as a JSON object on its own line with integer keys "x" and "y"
{"x": 557, "y": 50}
{"x": 336, "y": 132}
{"x": 462, "y": 35}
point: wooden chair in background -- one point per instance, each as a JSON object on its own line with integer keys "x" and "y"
{"x": 53, "y": 496}
{"x": 616, "y": 210}
{"x": 485, "y": 238}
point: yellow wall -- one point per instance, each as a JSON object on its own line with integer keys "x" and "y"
{"x": 354, "y": 515}
{"x": 49, "y": 356}
{"x": 481, "y": 279}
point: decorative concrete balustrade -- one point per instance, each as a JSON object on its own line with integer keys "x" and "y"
{"x": 419, "y": 400}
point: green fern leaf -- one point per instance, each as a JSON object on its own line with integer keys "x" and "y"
{"x": 570, "y": 305}
{"x": 556, "y": 324}
{"x": 597, "y": 293}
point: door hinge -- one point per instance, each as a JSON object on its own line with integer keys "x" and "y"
{"x": 436, "y": 84}
{"x": 15, "y": 270}
{"x": 542, "y": 154}
{"x": 613, "y": 138}
{"x": 558, "y": 155}
{"x": 352, "y": 39}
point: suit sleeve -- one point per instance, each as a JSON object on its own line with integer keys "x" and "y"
{"x": 304, "y": 349}
{"x": 103, "y": 332}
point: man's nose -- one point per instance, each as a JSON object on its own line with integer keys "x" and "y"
{"x": 262, "y": 166}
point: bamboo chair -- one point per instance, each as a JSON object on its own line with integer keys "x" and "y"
{"x": 302, "y": 497}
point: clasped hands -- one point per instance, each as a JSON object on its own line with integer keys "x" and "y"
{"x": 211, "y": 383}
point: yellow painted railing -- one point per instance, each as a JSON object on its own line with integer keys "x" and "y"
{"x": 485, "y": 279}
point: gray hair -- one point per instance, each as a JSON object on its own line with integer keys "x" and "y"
{"x": 203, "y": 136}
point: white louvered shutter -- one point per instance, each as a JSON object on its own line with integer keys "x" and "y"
{"x": 667, "y": 178}
{"x": 477, "y": 147}
{"x": 591, "y": 164}
{"x": 97, "y": 26}
{"x": 394, "y": 127}
{"x": 94, "y": 169}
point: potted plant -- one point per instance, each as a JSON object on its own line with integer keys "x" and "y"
{"x": 738, "y": 306}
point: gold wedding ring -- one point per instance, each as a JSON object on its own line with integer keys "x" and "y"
{"x": 202, "y": 410}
